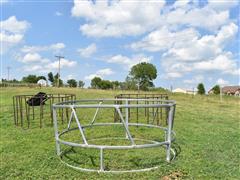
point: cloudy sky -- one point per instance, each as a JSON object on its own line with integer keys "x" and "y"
{"x": 189, "y": 41}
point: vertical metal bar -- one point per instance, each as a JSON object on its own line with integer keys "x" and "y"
{"x": 17, "y": 109}
{"x": 169, "y": 130}
{"x": 33, "y": 111}
{"x": 15, "y": 122}
{"x": 101, "y": 160}
{"x": 62, "y": 111}
{"x": 126, "y": 115}
{"x": 58, "y": 148}
{"x": 26, "y": 109}
{"x": 29, "y": 112}
{"x": 137, "y": 108}
{"x": 147, "y": 112}
{"x": 79, "y": 126}
{"x": 50, "y": 105}
{"x": 145, "y": 107}
{"x": 129, "y": 113}
{"x": 40, "y": 111}
{"x": 21, "y": 113}
{"x": 66, "y": 99}
{"x": 125, "y": 126}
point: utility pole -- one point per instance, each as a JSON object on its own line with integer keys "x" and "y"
{"x": 59, "y": 59}
{"x": 8, "y": 72}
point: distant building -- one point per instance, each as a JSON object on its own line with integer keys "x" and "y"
{"x": 231, "y": 90}
{"x": 42, "y": 82}
{"x": 180, "y": 90}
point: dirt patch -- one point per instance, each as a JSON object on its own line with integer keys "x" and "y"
{"x": 174, "y": 175}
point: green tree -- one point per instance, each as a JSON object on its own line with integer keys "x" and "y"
{"x": 55, "y": 82}
{"x": 30, "y": 79}
{"x": 116, "y": 84}
{"x": 216, "y": 89}
{"x": 144, "y": 73}
{"x": 130, "y": 83}
{"x": 42, "y": 77}
{"x": 105, "y": 84}
{"x": 81, "y": 84}
{"x": 50, "y": 77}
{"x": 95, "y": 82}
{"x": 201, "y": 89}
{"x": 72, "y": 83}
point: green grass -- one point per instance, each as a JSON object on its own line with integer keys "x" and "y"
{"x": 207, "y": 133}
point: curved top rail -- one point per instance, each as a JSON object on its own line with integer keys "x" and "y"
{"x": 55, "y": 95}
{"x": 73, "y": 104}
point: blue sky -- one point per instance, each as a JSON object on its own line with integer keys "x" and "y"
{"x": 188, "y": 41}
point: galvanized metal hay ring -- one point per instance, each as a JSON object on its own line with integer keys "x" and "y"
{"x": 106, "y": 103}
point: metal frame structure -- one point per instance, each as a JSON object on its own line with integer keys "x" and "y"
{"x": 23, "y": 112}
{"x": 161, "y": 116}
{"x": 100, "y": 104}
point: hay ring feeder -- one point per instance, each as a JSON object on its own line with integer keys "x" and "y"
{"x": 169, "y": 135}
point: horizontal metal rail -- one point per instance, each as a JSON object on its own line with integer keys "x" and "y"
{"x": 74, "y": 105}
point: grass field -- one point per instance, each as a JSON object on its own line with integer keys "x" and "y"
{"x": 207, "y": 131}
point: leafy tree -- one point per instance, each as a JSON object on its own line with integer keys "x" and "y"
{"x": 81, "y": 84}
{"x": 105, "y": 84}
{"x": 55, "y": 82}
{"x": 130, "y": 83}
{"x": 30, "y": 79}
{"x": 95, "y": 82}
{"x": 72, "y": 83}
{"x": 42, "y": 77}
{"x": 144, "y": 73}
{"x": 50, "y": 77}
{"x": 216, "y": 89}
{"x": 201, "y": 89}
{"x": 116, "y": 84}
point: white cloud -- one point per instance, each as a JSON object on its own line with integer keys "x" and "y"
{"x": 14, "y": 26}
{"x": 163, "y": 39}
{"x": 100, "y": 73}
{"x": 63, "y": 63}
{"x": 194, "y": 80}
{"x": 117, "y": 18}
{"x": 206, "y": 53}
{"x": 196, "y": 17}
{"x": 88, "y": 51}
{"x": 222, "y": 5}
{"x": 57, "y": 13}
{"x": 223, "y": 63}
{"x": 70, "y": 76}
{"x": 105, "y": 72}
{"x": 91, "y": 76}
{"x": 221, "y": 82}
{"x": 52, "y": 47}
{"x": 173, "y": 75}
{"x": 11, "y": 38}
{"x": 12, "y": 32}
{"x": 31, "y": 57}
{"x": 35, "y": 62}
{"x": 126, "y": 61}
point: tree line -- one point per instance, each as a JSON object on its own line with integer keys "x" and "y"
{"x": 140, "y": 77}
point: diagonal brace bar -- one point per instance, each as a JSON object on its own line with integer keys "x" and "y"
{"x": 79, "y": 126}
{"x": 125, "y": 126}
{"x": 95, "y": 115}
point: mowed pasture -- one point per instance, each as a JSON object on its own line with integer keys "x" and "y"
{"x": 207, "y": 132}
